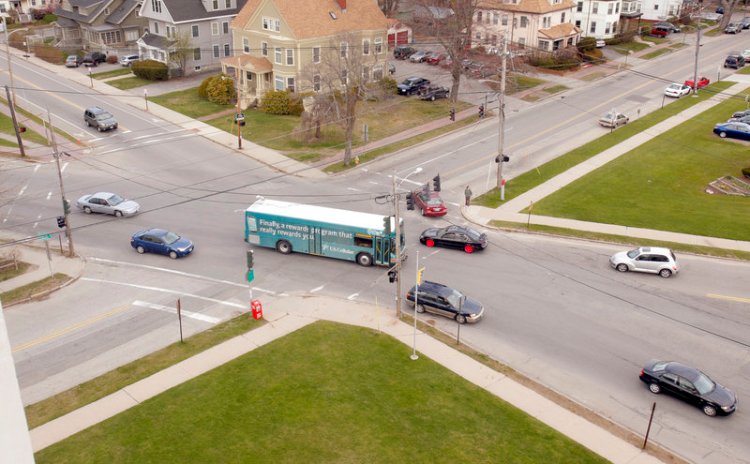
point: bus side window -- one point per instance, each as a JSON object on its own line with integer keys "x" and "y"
{"x": 363, "y": 242}
{"x": 252, "y": 224}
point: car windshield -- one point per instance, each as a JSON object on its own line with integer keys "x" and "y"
{"x": 435, "y": 202}
{"x": 704, "y": 384}
{"x": 455, "y": 298}
{"x": 632, "y": 254}
{"x": 104, "y": 115}
{"x": 170, "y": 238}
{"x": 675, "y": 86}
{"x": 115, "y": 200}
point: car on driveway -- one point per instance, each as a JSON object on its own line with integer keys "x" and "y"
{"x": 734, "y": 60}
{"x": 444, "y": 301}
{"x": 733, "y": 130}
{"x": 127, "y": 60}
{"x": 743, "y": 119}
{"x": 433, "y": 93}
{"x": 654, "y": 260}
{"x": 419, "y": 56}
{"x": 462, "y": 238}
{"x": 94, "y": 58}
{"x": 745, "y": 54}
{"x": 739, "y": 114}
{"x": 412, "y": 85}
{"x": 690, "y": 385}
{"x": 670, "y": 26}
{"x": 402, "y": 52}
{"x": 107, "y": 203}
{"x": 435, "y": 58}
{"x": 73, "y": 61}
{"x": 429, "y": 203}
{"x": 677, "y": 90}
{"x": 659, "y": 32}
{"x": 702, "y": 82}
{"x": 732, "y": 28}
{"x": 100, "y": 119}
{"x": 745, "y": 23}
{"x": 161, "y": 241}
{"x": 613, "y": 120}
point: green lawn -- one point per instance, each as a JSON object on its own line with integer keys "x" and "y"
{"x": 112, "y": 73}
{"x": 327, "y": 393}
{"x": 128, "y": 83}
{"x": 189, "y": 103}
{"x": 655, "y": 53}
{"x": 626, "y": 47}
{"x": 6, "y": 127}
{"x": 660, "y": 185}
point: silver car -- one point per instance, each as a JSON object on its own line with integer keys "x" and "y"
{"x": 613, "y": 120}
{"x": 107, "y": 203}
{"x": 654, "y": 260}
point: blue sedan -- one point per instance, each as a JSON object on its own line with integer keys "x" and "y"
{"x": 733, "y": 130}
{"x": 161, "y": 241}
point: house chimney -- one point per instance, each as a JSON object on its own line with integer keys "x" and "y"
{"x": 342, "y": 4}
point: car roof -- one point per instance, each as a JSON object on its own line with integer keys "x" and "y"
{"x": 435, "y": 287}
{"x": 155, "y": 231}
{"x": 661, "y": 250}
{"x": 104, "y": 195}
{"x": 682, "y": 370}
{"x": 95, "y": 109}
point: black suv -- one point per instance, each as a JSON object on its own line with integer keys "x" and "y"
{"x": 735, "y": 61}
{"x": 445, "y": 301}
{"x": 99, "y": 118}
{"x": 403, "y": 52}
{"x": 94, "y": 58}
{"x": 412, "y": 85}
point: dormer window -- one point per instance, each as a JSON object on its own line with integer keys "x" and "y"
{"x": 216, "y": 5}
{"x": 271, "y": 24}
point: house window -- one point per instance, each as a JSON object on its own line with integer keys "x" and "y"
{"x": 479, "y": 17}
{"x": 562, "y": 18}
{"x": 610, "y": 8}
{"x": 290, "y": 57}
{"x": 277, "y": 55}
{"x": 216, "y": 51}
{"x": 271, "y": 24}
{"x": 316, "y": 83}
{"x": 344, "y": 49}
{"x": 617, "y": 8}
{"x": 366, "y": 47}
{"x": 227, "y": 50}
{"x": 578, "y": 23}
{"x": 378, "y": 46}
{"x": 495, "y": 18}
{"x": 225, "y": 27}
{"x": 505, "y": 20}
{"x": 656, "y": 7}
{"x": 216, "y": 4}
{"x": 197, "y": 54}
{"x": 290, "y": 84}
{"x": 546, "y": 21}
{"x": 246, "y": 45}
{"x": 156, "y": 6}
{"x": 112, "y": 37}
{"x": 227, "y": 3}
{"x": 156, "y": 28}
{"x": 607, "y": 27}
{"x": 524, "y": 21}
{"x": 171, "y": 31}
{"x": 377, "y": 73}
{"x": 579, "y": 7}
{"x": 279, "y": 83}
{"x": 543, "y": 45}
{"x": 194, "y": 28}
{"x": 595, "y": 8}
{"x": 365, "y": 73}
{"x": 614, "y": 28}
{"x": 316, "y": 54}
{"x": 592, "y": 29}
{"x": 264, "y": 48}
{"x": 215, "y": 28}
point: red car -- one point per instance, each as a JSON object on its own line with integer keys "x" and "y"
{"x": 702, "y": 82}
{"x": 435, "y": 58}
{"x": 430, "y": 203}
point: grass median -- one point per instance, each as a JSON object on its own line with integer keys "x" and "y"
{"x": 325, "y": 393}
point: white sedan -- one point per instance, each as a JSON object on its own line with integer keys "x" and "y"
{"x": 107, "y": 203}
{"x": 677, "y": 90}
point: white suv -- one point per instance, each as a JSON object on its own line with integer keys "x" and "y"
{"x": 127, "y": 60}
{"x": 654, "y": 260}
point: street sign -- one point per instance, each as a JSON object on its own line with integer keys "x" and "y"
{"x": 45, "y": 237}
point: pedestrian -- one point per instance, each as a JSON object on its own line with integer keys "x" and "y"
{"x": 467, "y": 194}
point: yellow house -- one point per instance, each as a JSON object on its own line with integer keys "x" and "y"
{"x": 278, "y": 43}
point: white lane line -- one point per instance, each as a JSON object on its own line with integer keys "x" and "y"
{"x": 36, "y": 168}
{"x": 64, "y": 166}
{"x": 23, "y": 189}
{"x": 164, "y": 290}
{"x": 352, "y": 296}
{"x": 49, "y": 195}
{"x": 317, "y": 289}
{"x": 269, "y": 292}
{"x": 168, "y": 309}
{"x": 171, "y": 271}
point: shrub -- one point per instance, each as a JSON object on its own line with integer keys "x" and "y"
{"x": 390, "y": 85}
{"x": 150, "y": 70}
{"x": 746, "y": 172}
{"x": 220, "y": 89}
{"x": 586, "y": 44}
{"x": 202, "y": 88}
{"x": 112, "y": 59}
{"x": 281, "y": 102}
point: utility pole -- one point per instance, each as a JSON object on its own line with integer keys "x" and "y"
{"x": 697, "y": 48}
{"x": 237, "y": 118}
{"x": 65, "y": 202}
{"x": 501, "y": 122}
{"x": 398, "y": 249}
{"x": 15, "y": 122}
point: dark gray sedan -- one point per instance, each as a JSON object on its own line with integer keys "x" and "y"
{"x": 107, "y": 203}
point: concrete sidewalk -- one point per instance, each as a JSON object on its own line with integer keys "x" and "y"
{"x": 43, "y": 265}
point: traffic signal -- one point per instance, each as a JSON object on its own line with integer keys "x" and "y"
{"x": 61, "y": 221}
{"x": 387, "y": 224}
{"x": 249, "y": 259}
{"x": 502, "y": 158}
{"x": 392, "y": 277}
{"x": 436, "y": 183}
{"x": 410, "y": 201}
{"x": 66, "y": 206}
{"x": 453, "y": 114}
{"x": 481, "y": 111}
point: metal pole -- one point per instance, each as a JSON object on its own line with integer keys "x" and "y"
{"x": 414, "y": 355}
{"x": 91, "y": 78}
{"x": 237, "y": 119}
{"x": 697, "y": 47}
{"x": 179, "y": 317}
{"x": 145, "y": 97}
{"x": 398, "y": 249}
{"x": 501, "y": 121}
{"x": 15, "y": 123}
{"x": 648, "y": 430}
{"x": 56, "y": 154}
{"x": 10, "y": 69}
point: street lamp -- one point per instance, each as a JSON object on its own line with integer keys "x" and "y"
{"x": 398, "y": 237}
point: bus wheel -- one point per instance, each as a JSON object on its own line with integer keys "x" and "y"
{"x": 364, "y": 259}
{"x": 283, "y": 247}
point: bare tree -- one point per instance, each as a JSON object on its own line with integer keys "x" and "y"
{"x": 448, "y": 22}
{"x": 181, "y": 50}
{"x": 729, "y": 6}
{"x": 389, "y": 7}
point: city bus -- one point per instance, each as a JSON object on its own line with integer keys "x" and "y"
{"x": 318, "y": 230}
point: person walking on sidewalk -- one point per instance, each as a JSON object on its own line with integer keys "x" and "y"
{"x": 467, "y": 194}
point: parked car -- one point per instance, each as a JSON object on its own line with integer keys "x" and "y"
{"x": 435, "y": 58}
{"x": 412, "y": 85}
{"x": 433, "y": 93}
{"x": 127, "y": 60}
{"x": 445, "y": 301}
{"x": 659, "y": 31}
{"x": 94, "y": 58}
{"x": 429, "y": 203}
{"x": 702, "y": 82}
{"x": 100, "y": 119}
{"x": 418, "y": 57}
{"x": 745, "y": 119}
{"x": 162, "y": 242}
{"x": 670, "y": 26}
{"x": 73, "y": 61}
{"x": 739, "y": 114}
{"x": 107, "y": 203}
{"x": 732, "y": 28}
{"x": 745, "y": 23}
{"x": 654, "y": 260}
{"x": 462, "y": 238}
{"x": 677, "y": 90}
{"x": 733, "y": 130}
{"x": 600, "y": 43}
{"x": 734, "y": 60}
{"x": 402, "y": 52}
{"x": 690, "y": 385}
{"x": 613, "y": 120}
{"x": 745, "y": 54}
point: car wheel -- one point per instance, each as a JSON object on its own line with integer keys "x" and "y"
{"x": 654, "y": 388}
{"x": 88, "y": 124}
{"x": 283, "y": 247}
{"x": 461, "y": 319}
{"x": 118, "y": 213}
{"x": 140, "y": 249}
{"x": 469, "y": 248}
{"x": 723, "y": 135}
{"x": 99, "y": 128}
{"x": 709, "y": 410}
{"x": 432, "y": 98}
{"x": 622, "y": 267}
{"x": 87, "y": 210}
{"x": 420, "y": 309}
{"x": 430, "y": 243}
{"x": 173, "y": 254}
{"x": 666, "y": 273}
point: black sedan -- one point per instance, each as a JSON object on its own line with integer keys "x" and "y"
{"x": 464, "y": 238}
{"x": 689, "y": 384}
{"x": 433, "y": 93}
{"x": 412, "y": 85}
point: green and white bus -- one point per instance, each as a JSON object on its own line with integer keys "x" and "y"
{"x": 316, "y": 230}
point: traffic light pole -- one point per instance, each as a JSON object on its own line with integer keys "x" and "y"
{"x": 398, "y": 249}
{"x": 15, "y": 121}
{"x": 66, "y": 204}
{"x": 501, "y": 125}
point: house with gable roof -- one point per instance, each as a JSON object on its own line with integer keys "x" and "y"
{"x": 99, "y": 24}
{"x": 542, "y": 24}
{"x": 204, "y": 22}
{"x": 281, "y": 41}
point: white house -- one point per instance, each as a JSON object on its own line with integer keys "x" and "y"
{"x": 660, "y": 10}
{"x": 598, "y": 18}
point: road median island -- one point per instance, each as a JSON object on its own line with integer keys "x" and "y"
{"x": 35, "y": 290}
